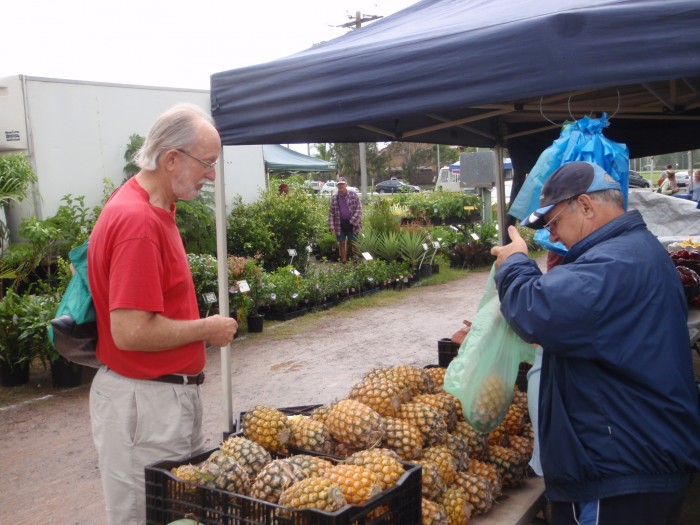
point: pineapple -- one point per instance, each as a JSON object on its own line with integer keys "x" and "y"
{"x": 511, "y": 465}
{"x": 416, "y": 380}
{"x": 343, "y": 450}
{"x": 478, "y": 442}
{"x": 433, "y": 513}
{"x": 358, "y": 484}
{"x": 438, "y": 376}
{"x": 267, "y": 426}
{"x": 490, "y": 405}
{"x": 274, "y": 478}
{"x": 250, "y": 455}
{"x": 386, "y": 468}
{"x": 222, "y": 472}
{"x": 444, "y": 403}
{"x": 432, "y": 484}
{"x": 321, "y": 413}
{"x": 520, "y": 399}
{"x": 459, "y": 446}
{"x": 402, "y": 437}
{"x": 498, "y": 436}
{"x": 442, "y": 457}
{"x": 311, "y": 465}
{"x": 379, "y": 394}
{"x": 309, "y": 434}
{"x": 313, "y": 493}
{"x": 515, "y": 419}
{"x": 478, "y": 490}
{"x": 355, "y": 424}
{"x": 490, "y": 472}
{"x": 455, "y": 501}
{"x": 427, "y": 419}
{"x": 188, "y": 474}
{"x": 522, "y": 445}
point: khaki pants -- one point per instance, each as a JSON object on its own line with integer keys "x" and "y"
{"x": 136, "y": 423}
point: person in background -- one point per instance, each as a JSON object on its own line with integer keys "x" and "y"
{"x": 665, "y": 174}
{"x": 618, "y": 418}
{"x": 669, "y": 186}
{"x": 345, "y": 217}
{"x": 145, "y": 403}
{"x": 695, "y": 188}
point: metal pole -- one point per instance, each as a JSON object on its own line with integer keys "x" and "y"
{"x": 363, "y": 171}
{"x": 500, "y": 195}
{"x": 222, "y": 258}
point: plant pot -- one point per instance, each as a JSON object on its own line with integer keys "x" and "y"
{"x": 426, "y": 270}
{"x": 255, "y": 322}
{"x": 14, "y": 375}
{"x": 65, "y": 374}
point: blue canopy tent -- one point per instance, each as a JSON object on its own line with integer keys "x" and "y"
{"x": 496, "y": 74}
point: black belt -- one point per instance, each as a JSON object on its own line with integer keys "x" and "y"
{"x": 178, "y": 379}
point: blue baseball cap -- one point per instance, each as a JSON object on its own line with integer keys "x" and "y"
{"x": 570, "y": 180}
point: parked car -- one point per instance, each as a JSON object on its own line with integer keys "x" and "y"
{"x": 331, "y": 187}
{"x": 682, "y": 178}
{"x": 637, "y": 181}
{"x": 394, "y": 186}
{"x": 313, "y": 185}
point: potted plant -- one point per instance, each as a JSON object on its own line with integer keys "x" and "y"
{"x": 254, "y": 275}
{"x": 15, "y": 357}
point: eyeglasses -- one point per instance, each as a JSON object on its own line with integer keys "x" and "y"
{"x": 552, "y": 224}
{"x": 208, "y": 165}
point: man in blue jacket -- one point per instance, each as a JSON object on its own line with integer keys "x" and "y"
{"x": 618, "y": 413}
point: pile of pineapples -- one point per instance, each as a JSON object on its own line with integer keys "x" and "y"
{"x": 394, "y": 414}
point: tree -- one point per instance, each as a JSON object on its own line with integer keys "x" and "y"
{"x": 347, "y": 156}
{"x": 135, "y": 143}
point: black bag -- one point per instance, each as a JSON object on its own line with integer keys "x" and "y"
{"x": 74, "y": 329}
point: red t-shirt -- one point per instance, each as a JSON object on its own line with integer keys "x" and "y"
{"x": 136, "y": 260}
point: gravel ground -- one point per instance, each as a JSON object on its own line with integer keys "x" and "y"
{"x": 46, "y": 448}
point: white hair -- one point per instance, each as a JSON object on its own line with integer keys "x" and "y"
{"x": 174, "y": 129}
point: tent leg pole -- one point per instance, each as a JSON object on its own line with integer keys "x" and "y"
{"x": 500, "y": 196}
{"x": 222, "y": 258}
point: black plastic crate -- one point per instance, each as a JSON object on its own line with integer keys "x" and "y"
{"x": 169, "y": 499}
{"x": 447, "y": 351}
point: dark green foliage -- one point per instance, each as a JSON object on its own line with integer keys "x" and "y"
{"x": 197, "y": 223}
{"x": 274, "y": 224}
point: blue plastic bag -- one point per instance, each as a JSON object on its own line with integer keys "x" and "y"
{"x": 483, "y": 374}
{"x": 73, "y": 331}
{"x": 579, "y": 140}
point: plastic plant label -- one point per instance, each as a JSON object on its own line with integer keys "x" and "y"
{"x": 475, "y": 236}
{"x": 436, "y": 245}
{"x": 292, "y": 252}
{"x": 309, "y": 249}
{"x": 243, "y": 286}
{"x": 367, "y": 256}
{"x": 425, "y": 247}
{"x": 295, "y": 272}
{"x": 209, "y": 297}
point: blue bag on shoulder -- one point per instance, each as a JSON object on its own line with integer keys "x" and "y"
{"x": 73, "y": 331}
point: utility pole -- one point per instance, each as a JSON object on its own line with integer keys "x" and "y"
{"x": 359, "y": 19}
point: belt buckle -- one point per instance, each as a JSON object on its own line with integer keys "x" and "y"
{"x": 199, "y": 378}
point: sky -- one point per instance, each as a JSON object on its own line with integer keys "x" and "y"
{"x": 168, "y": 43}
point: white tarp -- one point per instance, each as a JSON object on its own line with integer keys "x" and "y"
{"x": 669, "y": 218}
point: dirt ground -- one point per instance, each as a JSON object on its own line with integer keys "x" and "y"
{"x": 46, "y": 450}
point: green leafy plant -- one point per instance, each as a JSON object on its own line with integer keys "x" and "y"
{"x": 16, "y": 178}
{"x": 14, "y": 352}
{"x": 197, "y": 223}
{"x": 411, "y": 247}
{"x": 205, "y": 276}
{"x": 389, "y": 246}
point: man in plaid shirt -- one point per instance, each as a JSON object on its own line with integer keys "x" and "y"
{"x": 345, "y": 217}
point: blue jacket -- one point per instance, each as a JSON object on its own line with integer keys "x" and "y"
{"x": 618, "y": 409}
